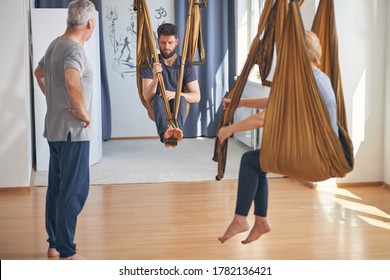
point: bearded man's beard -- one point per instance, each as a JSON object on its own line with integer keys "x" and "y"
{"x": 166, "y": 55}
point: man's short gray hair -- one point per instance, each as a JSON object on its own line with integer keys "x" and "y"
{"x": 79, "y": 11}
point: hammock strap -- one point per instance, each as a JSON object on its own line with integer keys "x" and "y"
{"x": 220, "y": 150}
{"x": 325, "y": 27}
{"x": 183, "y": 61}
{"x": 141, "y": 7}
{"x": 196, "y": 40}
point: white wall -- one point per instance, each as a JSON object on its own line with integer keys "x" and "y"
{"x": 15, "y": 120}
{"x": 361, "y": 27}
{"x": 386, "y": 164}
{"x": 129, "y": 116}
{"x": 308, "y": 10}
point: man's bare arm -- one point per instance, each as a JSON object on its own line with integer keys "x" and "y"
{"x": 40, "y": 76}
{"x": 149, "y": 86}
{"x": 193, "y": 94}
{"x": 75, "y": 94}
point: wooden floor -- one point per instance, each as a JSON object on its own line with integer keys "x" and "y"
{"x": 183, "y": 220}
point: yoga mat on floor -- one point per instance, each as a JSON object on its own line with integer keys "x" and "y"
{"x": 148, "y": 161}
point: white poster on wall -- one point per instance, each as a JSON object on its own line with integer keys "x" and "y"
{"x": 129, "y": 116}
{"x": 46, "y": 25}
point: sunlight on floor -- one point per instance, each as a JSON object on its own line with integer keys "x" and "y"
{"x": 375, "y": 222}
{"x": 330, "y": 187}
{"x": 367, "y": 209}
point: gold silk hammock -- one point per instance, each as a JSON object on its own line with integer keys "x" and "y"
{"x": 261, "y": 53}
{"x": 147, "y": 52}
{"x": 324, "y": 26}
{"x": 298, "y": 140}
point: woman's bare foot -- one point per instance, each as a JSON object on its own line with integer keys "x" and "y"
{"x": 52, "y": 253}
{"x": 74, "y": 257}
{"x": 238, "y": 225}
{"x": 260, "y": 227}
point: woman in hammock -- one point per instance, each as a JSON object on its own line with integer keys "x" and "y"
{"x": 170, "y": 69}
{"x": 252, "y": 181}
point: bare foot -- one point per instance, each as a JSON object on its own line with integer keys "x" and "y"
{"x": 74, "y": 257}
{"x": 260, "y": 227}
{"x": 238, "y": 225}
{"x": 173, "y": 132}
{"x": 168, "y": 132}
{"x": 172, "y": 136}
{"x": 178, "y": 134}
{"x": 52, "y": 253}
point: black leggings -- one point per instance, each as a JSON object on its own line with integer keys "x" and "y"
{"x": 252, "y": 186}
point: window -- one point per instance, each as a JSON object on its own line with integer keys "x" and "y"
{"x": 247, "y": 19}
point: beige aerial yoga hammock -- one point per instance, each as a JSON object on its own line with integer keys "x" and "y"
{"x": 298, "y": 140}
{"x": 147, "y": 54}
{"x": 261, "y": 53}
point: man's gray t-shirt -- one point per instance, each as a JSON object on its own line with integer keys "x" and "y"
{"x": 61, "y": 55}
{"x": 327, "y": 93}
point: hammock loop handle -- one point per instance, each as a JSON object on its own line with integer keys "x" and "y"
{"x": 147, "y": 22}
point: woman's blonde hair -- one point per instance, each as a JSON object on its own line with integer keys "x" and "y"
{"x": 313, "y": 47}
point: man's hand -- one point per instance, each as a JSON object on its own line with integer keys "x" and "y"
{"x": 170, "y": 94}
{"x": 82, "y": 116}
{"x": 157, "y": 68}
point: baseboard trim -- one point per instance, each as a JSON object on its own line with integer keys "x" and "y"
{"x": 361, "y": 184}
{"x": 313, "y": 185}
{"x": 13, "y": 189}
